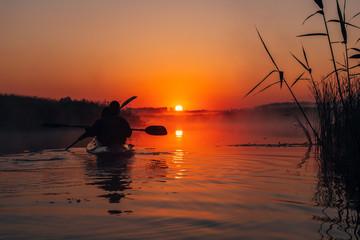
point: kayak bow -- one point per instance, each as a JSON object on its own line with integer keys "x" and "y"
{"x": 123, "y": 150}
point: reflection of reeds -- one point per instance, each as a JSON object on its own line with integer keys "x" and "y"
{"x": 340, "y": 192}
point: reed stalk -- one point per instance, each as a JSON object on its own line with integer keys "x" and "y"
{"x": 333, "y": 57}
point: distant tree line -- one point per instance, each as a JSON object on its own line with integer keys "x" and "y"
{"x": 28, "y": 113}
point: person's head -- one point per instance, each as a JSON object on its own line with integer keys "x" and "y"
{"x": 114, "y": 108}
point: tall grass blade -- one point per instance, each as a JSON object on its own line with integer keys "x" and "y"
{"x": 302, "y": 64}
{"x": 281, "y": 76}
{"x": 312, "y": 34}
{"x": 318, "y": 12}
{"x": 356, "y": 56}
{"x": 297, "y": 79}
{"x": 337, "y": 42}
{"x": 342, "y": 23}
{"x": 346, "y": 23}
{"x": 267, "y": 50}
{"x": 355, "y": 66}
{"x": 355, "y": 15}
{"x": 268, "y": 87}
{"x": 319, "y": 3}
{"x": 305, "y": 130}
{"x": 339, "y": 63}
{"x": 307, "y": 63}
{"x": 356, "y": 49}
{"x": 337, "y": 70}
{"x": 260, "y": 82}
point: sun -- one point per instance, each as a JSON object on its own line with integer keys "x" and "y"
{"x": 178, "y": 133}
{"x": 178, "y": 108}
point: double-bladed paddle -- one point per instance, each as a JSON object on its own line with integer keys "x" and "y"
{"x": 151, "y": 130}
{"x": 85, "y": 136}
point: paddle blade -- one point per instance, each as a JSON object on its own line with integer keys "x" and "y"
{"x": 156, "y": 130}
{"x": 127, "y": 102}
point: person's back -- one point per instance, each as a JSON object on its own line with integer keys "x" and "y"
{"x": 111, "y": 129}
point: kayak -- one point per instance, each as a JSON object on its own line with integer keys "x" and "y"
{"x": 122, "y": 150}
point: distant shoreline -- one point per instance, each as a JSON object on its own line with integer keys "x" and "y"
{"x": 28, "y": 113}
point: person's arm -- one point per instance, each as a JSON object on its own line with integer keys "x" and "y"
{"x": 93, "y": 130}
{"x": 127, "y": 128}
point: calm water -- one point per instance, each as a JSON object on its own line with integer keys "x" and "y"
{"x": 192, "y": 185}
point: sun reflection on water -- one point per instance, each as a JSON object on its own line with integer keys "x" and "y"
{"x": 178, "y": 160}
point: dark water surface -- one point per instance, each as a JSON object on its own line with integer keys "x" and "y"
{"x": 192, "y": 185}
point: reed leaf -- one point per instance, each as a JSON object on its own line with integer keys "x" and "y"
{"x": 297, "y": 79}
{"x": 337, "y": 42}
{"x": 312, "y": 34}
{"x": 318, "y": 12}
{"x": 260, "y": 82}
{"x": 307, "y": 63}
{"x": 346, "y": 23}
{"x": 281, "y": 76}
{"x": 355, "y": 66}
{"x": 356, "y": 56}
{"x": 267, "y": 50}
{"x": 268, "y": 87}
{"x": 319, "y": 3}
{"x": 344, "y": 17}
{"x": 355, "y": 15}
{"x": 339, "y": 63}
{"x": 302, "y": 64}
{"x": 342, "y": 22}
{"x": 356, "y": 49}
{"x": 337, "y": 70}
{"x": 305, "y": 130}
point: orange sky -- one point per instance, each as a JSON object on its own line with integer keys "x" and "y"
{"x": 202, "y": 54}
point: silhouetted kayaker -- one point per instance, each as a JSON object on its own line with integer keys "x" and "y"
{"x": 111, "y": 128}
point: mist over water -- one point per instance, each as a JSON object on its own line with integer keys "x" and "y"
{"x": 221, "y": 128}
{"x": 194, "y": 183}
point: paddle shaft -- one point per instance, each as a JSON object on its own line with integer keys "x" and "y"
{"x": 60, "y": 125}
{"x": 151, "y": 130}
{"x": 77, "y": 140}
